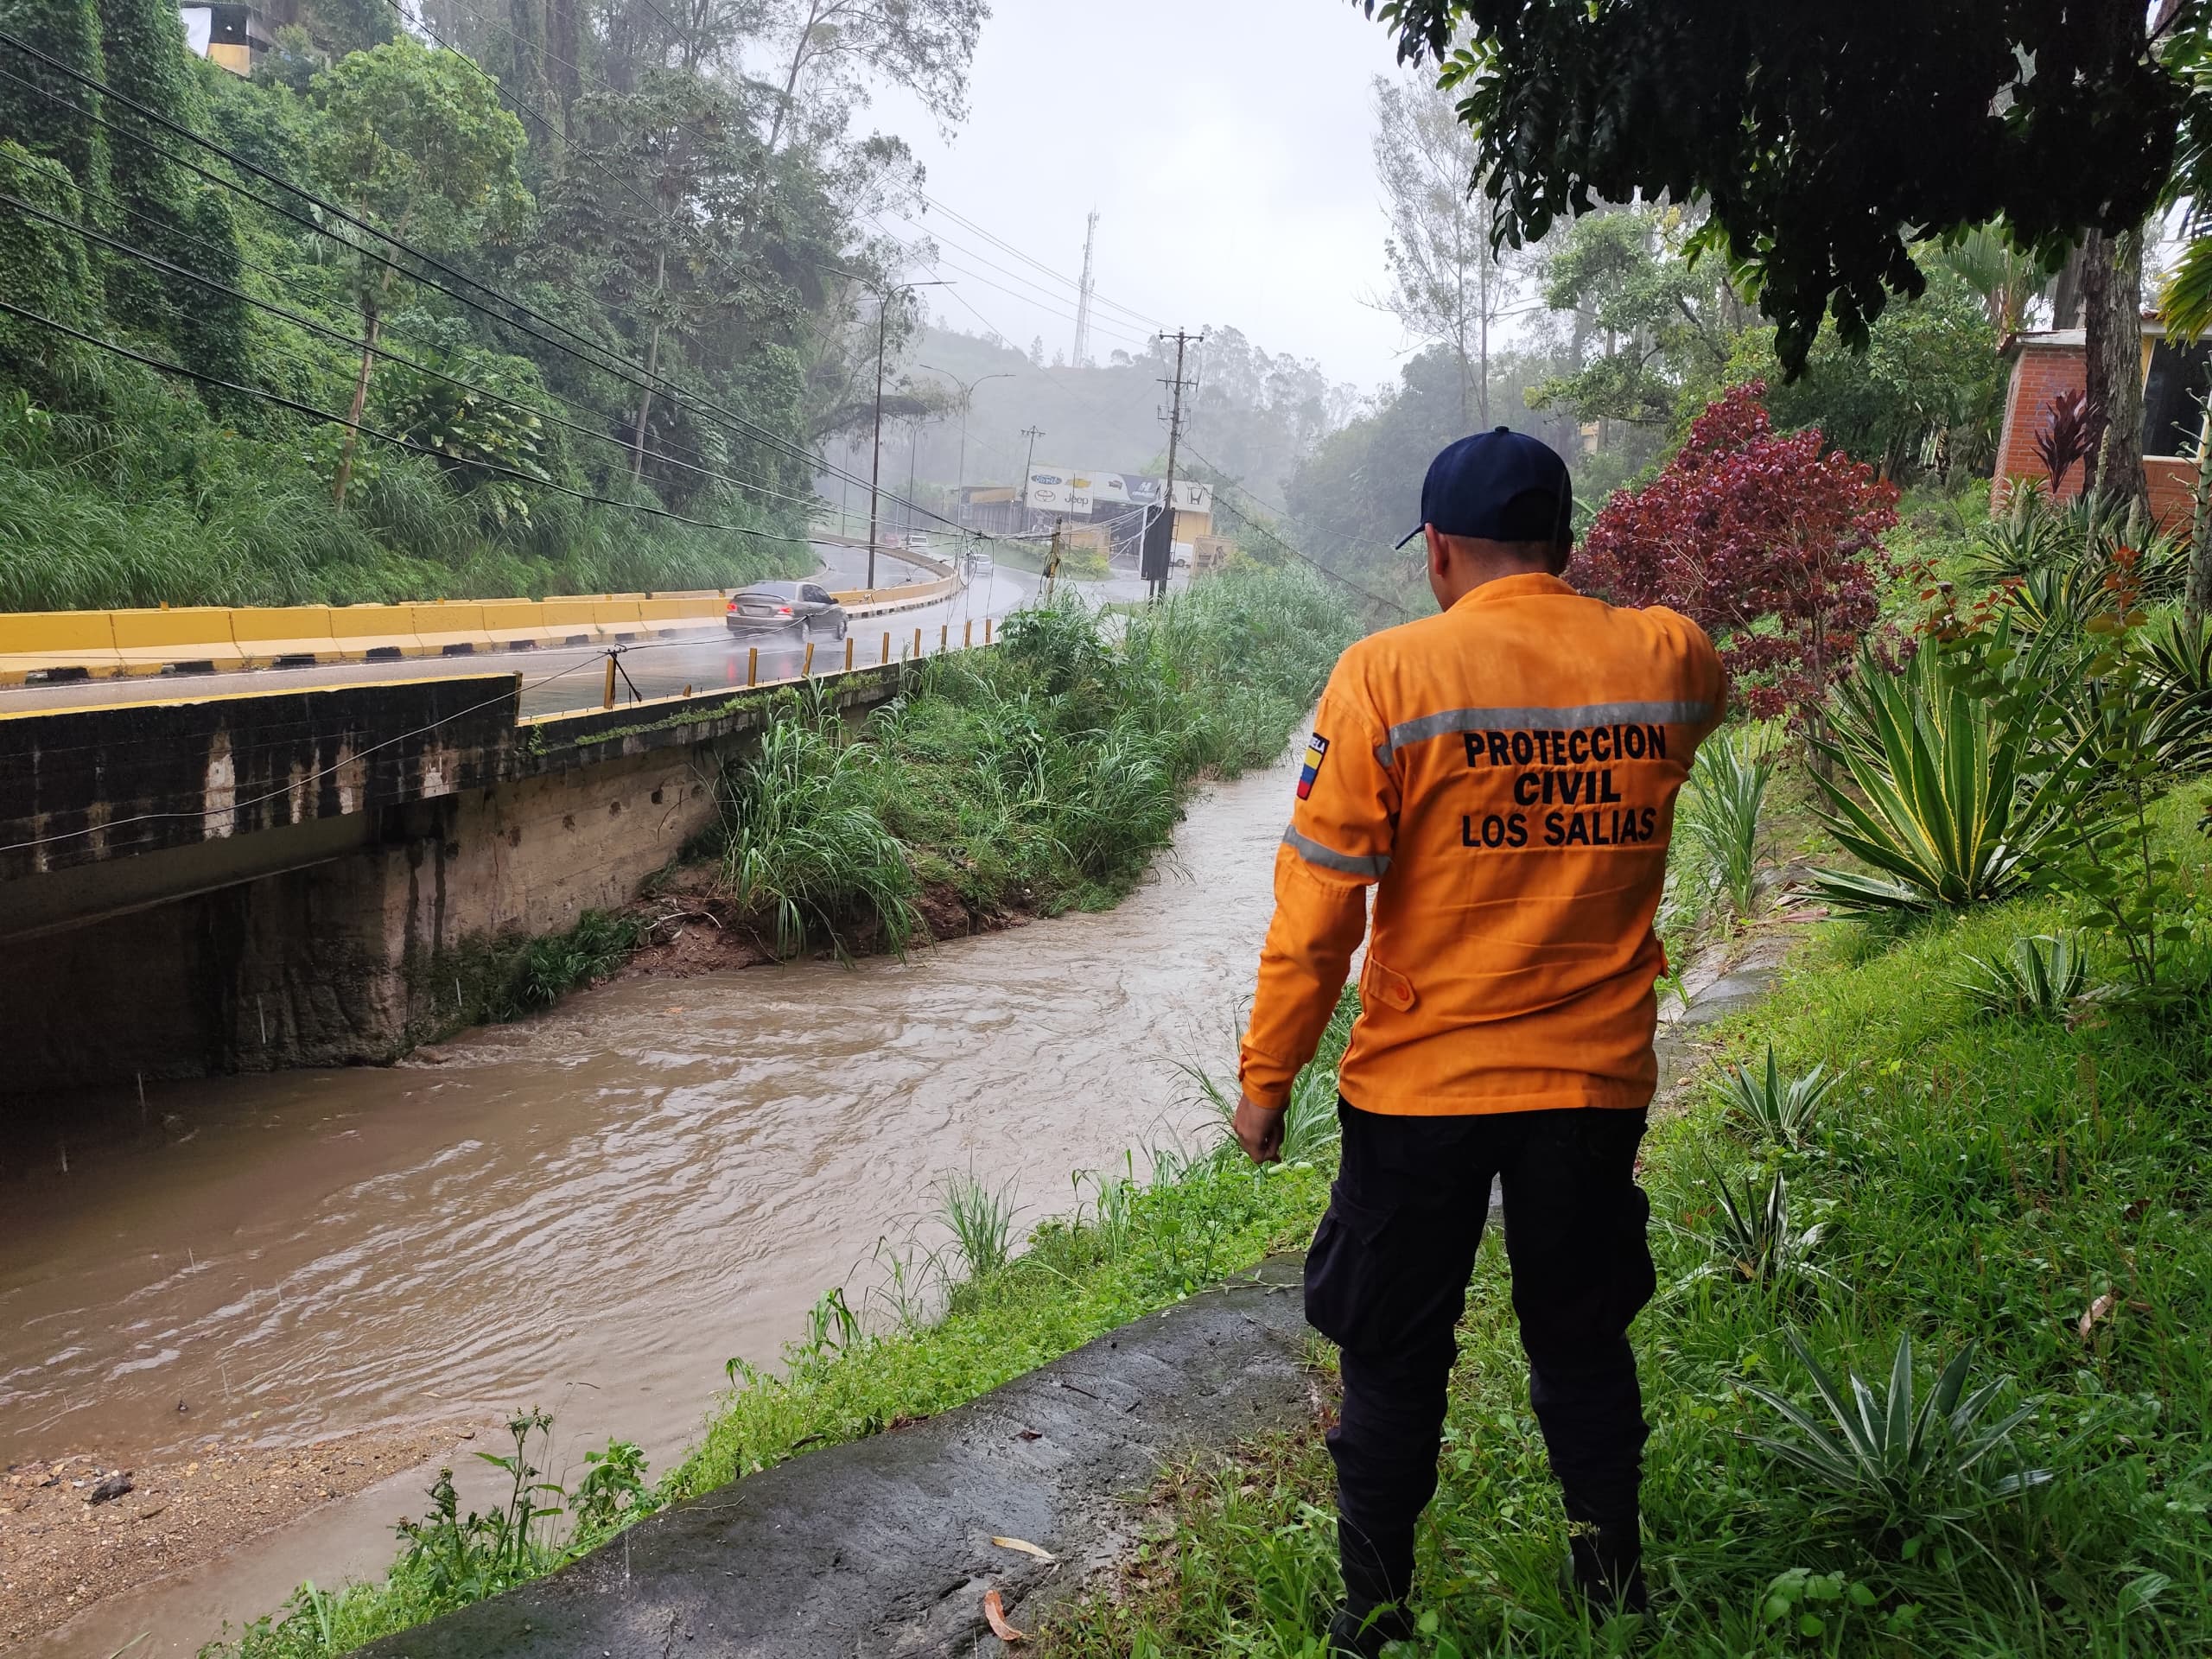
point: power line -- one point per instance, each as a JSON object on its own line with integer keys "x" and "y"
{"x": 1273, "y": 535}
{"x": 301, "y": 319}
{"x": 614, "y": 367}
{"x": 1028, "y": 259}
{"x": 1121, "y": 331}
{"x": 309, "y": 409}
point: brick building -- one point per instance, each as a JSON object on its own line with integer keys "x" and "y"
{"x": 2049, "y": 361}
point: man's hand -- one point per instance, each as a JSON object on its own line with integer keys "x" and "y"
{"x": 1259, "y": 1129}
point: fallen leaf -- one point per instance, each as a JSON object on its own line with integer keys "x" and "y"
{"x": 2099, "y": 1311}
{"x": 1025, "y": 1547}
{"x": 995, "y": 1610}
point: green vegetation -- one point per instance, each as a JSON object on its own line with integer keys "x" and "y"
{"x": 388, "y": 320}
{"x": 2017, "y": 1188}
{"x": 488, "y": 979}
{"x": 1040, "y": 777}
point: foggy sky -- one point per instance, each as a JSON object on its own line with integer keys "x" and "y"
{"x": 1223, "y": 142}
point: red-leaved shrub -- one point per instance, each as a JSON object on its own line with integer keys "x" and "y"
{"x": 1770, "y": 546}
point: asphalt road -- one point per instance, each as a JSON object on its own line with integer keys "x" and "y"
{"x": 566, "y": 677}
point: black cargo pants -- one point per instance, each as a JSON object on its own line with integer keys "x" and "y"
{"x": 1386, "y": 1279}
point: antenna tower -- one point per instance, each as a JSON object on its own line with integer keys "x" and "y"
{"x": 1083, "y": 296}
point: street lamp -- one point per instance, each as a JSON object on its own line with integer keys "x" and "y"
{"x": 883, "y": 293}
{"x": 967, "y": 403}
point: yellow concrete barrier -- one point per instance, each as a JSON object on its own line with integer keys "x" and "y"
{"x": 450, "y": 629}
{"x": 568, "y": 621}
{"x": 511, "y": 622}
{"x": 268, "y": 634}
{"x": 106, "y": 644}
{"x": 674, "y": 616}
{"x": 619, "y": 618}
{"x": 148, "y": 641}
{"x": 373, "y": 630}
{"x": 41, "y": 642}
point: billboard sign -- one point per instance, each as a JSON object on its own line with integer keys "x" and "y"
{"x": 1051, "y": 489}
{"x": 1191, "y": 496}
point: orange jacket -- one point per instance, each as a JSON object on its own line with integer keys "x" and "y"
{"x": 1504, "y": 776}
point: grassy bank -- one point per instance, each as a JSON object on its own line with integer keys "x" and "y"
{"x": 2031, "y": 1187}
{"x": 1039, "y": 777}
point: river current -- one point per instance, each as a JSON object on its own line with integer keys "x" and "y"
{"x": 593, "y": 1210}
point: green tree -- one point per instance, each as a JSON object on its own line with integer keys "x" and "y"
{"x": 42, "y": 267}
{"x": 415, "y": 143}
{"x": 924, "y": 46}
{"x": 1652, "y": 331}
{"x": 35, "y": 107}
{"x": 1827, "y": 139}
{"x": 1448, "y": 285}
{"x": 1927, "y": 391}
{"x": 158, "y": 206}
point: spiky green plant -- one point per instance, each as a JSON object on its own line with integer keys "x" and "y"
{"x": 1751, "y": 1238}
{"x": 2039, "y": 978}
{"x": 1950, "y": 804}
{"x": 1778, "y": 1112}
{"x": 1718, "y": 815}
{"x": 802, "y": 847}
{"x": 1910, "y": 1464}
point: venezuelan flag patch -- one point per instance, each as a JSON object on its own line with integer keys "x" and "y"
{"x": 1317, "y": 751}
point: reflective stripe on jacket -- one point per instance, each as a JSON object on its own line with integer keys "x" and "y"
{"x": 1504, "y": 776}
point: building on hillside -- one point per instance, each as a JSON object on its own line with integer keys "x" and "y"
{"x": 1110, "y": 507}
{"x": 233, "y": 36}
{"x": 2047, "y": 362}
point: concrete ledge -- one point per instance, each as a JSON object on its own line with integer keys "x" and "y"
{"x": 106, "y": 644}
{"x": 883, "y": 1548}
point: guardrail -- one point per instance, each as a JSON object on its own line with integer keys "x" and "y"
{"x": 108, "y": 645}
{"x": 852, "y": 656}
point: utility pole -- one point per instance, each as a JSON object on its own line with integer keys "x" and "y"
{"x": 883, "y": 293}
{"x": 1032, "y": 433}
{"x": 966, "y": 405}
{"x": 1176, "y": 386}
{"x": 653, "y": 366}
{"x": 1082, "y": 296}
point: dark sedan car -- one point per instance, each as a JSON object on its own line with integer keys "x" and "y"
{"x": 802, "y": 606}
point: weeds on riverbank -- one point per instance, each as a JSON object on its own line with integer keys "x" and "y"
{"x": 449, "y": 1560}
{"x": 1042, "y": 777}
{"x": 491, "y": 979}
{"x": 2007, "y": 1182}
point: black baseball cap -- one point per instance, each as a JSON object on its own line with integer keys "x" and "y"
{"x": 1501, "y": 486}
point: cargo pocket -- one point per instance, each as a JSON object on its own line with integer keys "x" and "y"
{"x": 1352, "y": 1290}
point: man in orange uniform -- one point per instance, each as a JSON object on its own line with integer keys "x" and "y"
{"x": 1503, "y": 777}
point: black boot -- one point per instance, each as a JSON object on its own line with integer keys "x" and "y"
{"x": 1608, "y": 1568}
{"x": 1363, "y": 1633}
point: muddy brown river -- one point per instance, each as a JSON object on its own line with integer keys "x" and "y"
{"x": 594, "y": 1211}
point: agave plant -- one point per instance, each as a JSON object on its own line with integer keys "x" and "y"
{"x": 1777, "y": 1113}
{"x": 1949, "y": 803}
{"x": 2039, "y": 976}
{"x": 1912, "y": 1463}
{"x": 1752, "y": 1238}
{"x": 1718, "y": 816}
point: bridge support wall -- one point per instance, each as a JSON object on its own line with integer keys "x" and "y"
{"x": 172, "y": 941}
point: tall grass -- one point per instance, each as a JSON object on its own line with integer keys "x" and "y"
{"x": 1048, "y": 775}
{"x": 802, "y": 845}
{"x": 148, "y": 503}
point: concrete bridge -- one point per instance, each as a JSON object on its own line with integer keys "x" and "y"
{"x": 246, "y": 879}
